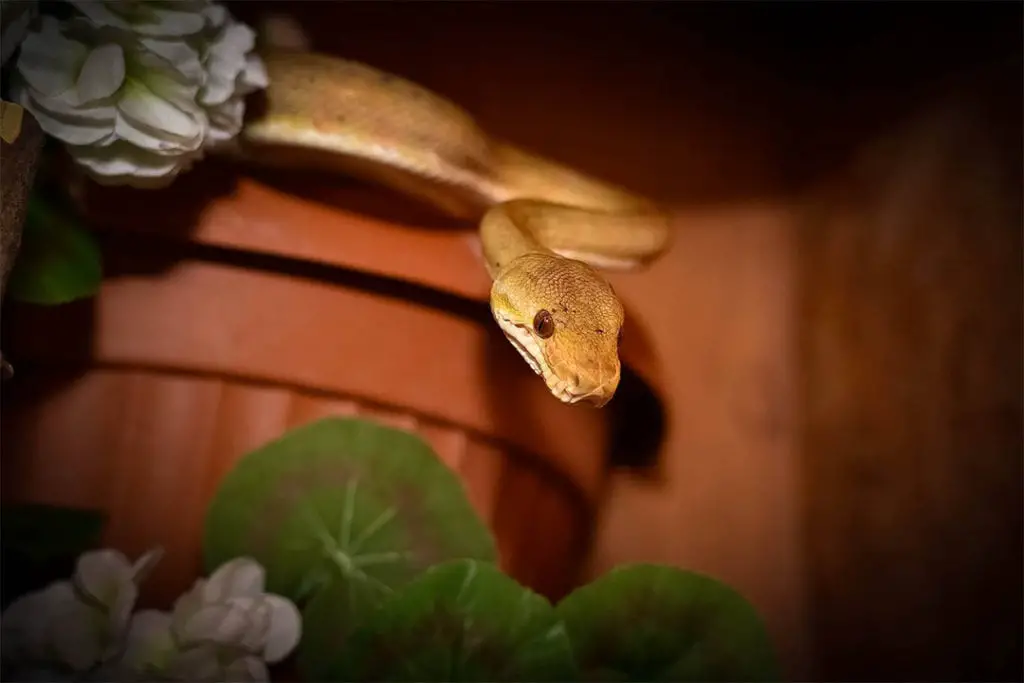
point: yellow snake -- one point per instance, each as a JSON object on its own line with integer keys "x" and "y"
{"x": 543, "y": 227}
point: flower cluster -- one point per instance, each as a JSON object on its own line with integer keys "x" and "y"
{"x": 139, "y": 90}
{"x": 226, "y": 628}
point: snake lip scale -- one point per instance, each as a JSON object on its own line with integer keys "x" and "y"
{"x": 567, "y": 391}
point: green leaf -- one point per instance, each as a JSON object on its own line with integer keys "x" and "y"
{"x": 58, "y": 261}
{"x": 654, "y": 623}
{"x": 343, "y": 497}
{"x": 40, "y": 544}
{"x": 329, "y": 620}
{"x": 459, "y": 621}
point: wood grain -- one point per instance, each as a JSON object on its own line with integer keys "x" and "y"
{"x": 150, "y": 447}
{"x": 912, "y": 342}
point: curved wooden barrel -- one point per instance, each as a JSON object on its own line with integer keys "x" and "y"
{"x": 193, "y": 353}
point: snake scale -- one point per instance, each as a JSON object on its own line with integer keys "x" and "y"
{"x": 544, "y": 227}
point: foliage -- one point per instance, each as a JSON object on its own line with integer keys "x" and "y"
{"x": 366, "y": 529}
{"x": 373, "y": 538}
{"x": 683, "y": 626}
{"x": 59, "y": 260}
{"x": 343, "y": 499}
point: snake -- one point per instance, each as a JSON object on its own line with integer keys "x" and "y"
{"x": 545, "y": 229}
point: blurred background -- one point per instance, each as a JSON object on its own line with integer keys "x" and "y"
{"x": 838, "y": 327}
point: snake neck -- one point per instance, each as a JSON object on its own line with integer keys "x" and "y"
{"x": 333, "y": 114}
{"x": 505, "y": 238}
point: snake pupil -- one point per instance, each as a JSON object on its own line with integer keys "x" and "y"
{"x": 543, "y": 324}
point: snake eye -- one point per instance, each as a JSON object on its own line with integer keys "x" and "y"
{"x": 543, "y": 324}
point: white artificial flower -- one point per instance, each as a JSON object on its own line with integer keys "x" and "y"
{"x": 148, "y": 646}
{"x": 232, "y": 608}
{"x": 139, "y": 90}
{"x": 224, "y": 629}
{"x": 80, "y": 623}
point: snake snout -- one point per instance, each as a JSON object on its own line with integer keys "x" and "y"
{"x": 597, "y": 400}
{"x": 593, "y": 388}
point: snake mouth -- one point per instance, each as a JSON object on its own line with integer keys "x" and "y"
{"x": 525, "y": 343}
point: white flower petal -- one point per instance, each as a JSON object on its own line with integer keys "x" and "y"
{"x": 146, "y": 137}
{"x": 257, "y": 617}
{"x": 225, "y": 122}
{"x": 101, "y": 13}
{"x": 103, "y": 575}
{"x": 254, "y": 76}
{"x": 246, "y": 669}
{"x": 24, "y": 626}
{"x": 148, "y": 642}
{"x": 53, "y": 625}
{"x": 285, "y": 628}
{"x": 118, "y": 619}
{"x": 178, "y": 94}
{"x": 67, "y": 104}
{"x": 226, "y": 624}
{"x": 215, "y": 15}
{"x": 145, "y": 564}
{"x": 226, "y": 59}
{"x": 187, "y": 604}
{"x": 49, "y": 60}
{"x": 179, "y": 54}
{"x": 82, "y": 127}
{"x": 78, "y": 635}
{"x": 239, "y": 577}
{"x": 195, "y": 664}
{"x": 102, "y": 73}
{"x": 142, "y": 107}
{"x": 122, "y": 163}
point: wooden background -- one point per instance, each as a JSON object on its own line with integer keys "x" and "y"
{"x": 839, "y": 323}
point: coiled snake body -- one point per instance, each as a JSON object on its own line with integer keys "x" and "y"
{"x": 543, "y": 227}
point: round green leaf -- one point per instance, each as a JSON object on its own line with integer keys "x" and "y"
{"x": 342, "y": 497}
{"x": 460, "y": 621}
{"x": 58, "y": 261}
{"x": 654, "y": 623}
{"x": 330, "y": 618}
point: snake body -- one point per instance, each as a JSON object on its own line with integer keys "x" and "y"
{"x": 543, "y": 227}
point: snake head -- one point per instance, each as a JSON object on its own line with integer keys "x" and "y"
{"x": 565, "y": 320}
